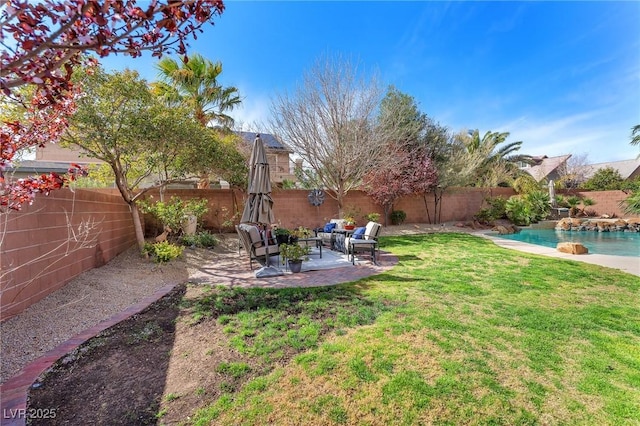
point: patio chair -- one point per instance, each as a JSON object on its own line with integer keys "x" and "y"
{"x": 254, "y": 245}
{"x": 328, "y": 233}
{"x": 368, "y": 242}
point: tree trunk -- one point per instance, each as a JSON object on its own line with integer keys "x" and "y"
{"x": 339, "y": 199}
{"x": 137, "y": 225}
{"x": 204, "y": 182}
{"x": 437, "y": 197}
{"x": 386, "y": 215}
{"x": 426, "y": 207}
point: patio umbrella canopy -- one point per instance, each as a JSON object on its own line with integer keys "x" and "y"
{"x": 259, "y": 206}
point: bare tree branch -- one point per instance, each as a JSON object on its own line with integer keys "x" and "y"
{"x": 331, "y": 121}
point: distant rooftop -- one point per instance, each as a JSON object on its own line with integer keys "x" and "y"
{"x": 627, "y": 168}
{"x": 545, "y": 166}
{"x": 269, "y": 141}
{"x": 40, "y": 167}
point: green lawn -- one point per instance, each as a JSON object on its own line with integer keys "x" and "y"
{"x": 459, "y": 332}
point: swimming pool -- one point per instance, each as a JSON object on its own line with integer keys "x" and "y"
{"x": 612, "y": 243}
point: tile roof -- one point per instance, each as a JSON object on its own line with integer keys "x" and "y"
{"x": 627, "y": 168}
{"x": 270, "y": 141}
{"x": 39, "y": 167}
{"x": 546, "y": 166}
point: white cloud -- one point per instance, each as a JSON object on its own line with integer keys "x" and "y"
{"x": 587, "y": 132}
{"x": 254, "y": 111}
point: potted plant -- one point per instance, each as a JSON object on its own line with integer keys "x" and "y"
{"x": 294, "y": 254}
{"x": 301, "y": 232}
{"x": 349, "y": 222}
{"x": 282, "y": 235}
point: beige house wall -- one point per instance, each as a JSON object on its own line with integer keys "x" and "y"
{"x": 279, "y": 162}
{"x": 55, "y": 152}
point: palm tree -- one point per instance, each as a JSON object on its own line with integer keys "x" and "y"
{"x": 194, "y": 82}
{"x": 499, "y": 163}
{"x": 635, "y": 136}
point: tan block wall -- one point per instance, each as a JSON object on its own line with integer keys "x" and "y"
{"x": 292, "y": 207}
{"x": 606, "y": 202}
{"x": 39, "y": 252}
{"x": 33, "y": 243}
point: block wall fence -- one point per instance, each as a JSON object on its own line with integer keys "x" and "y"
{"x": 38, "y": 254}
{"x": 292, "y": 208}
{"x": 43, "y": 247}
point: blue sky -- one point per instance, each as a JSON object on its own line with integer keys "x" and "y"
{"x": 563, "y": 77}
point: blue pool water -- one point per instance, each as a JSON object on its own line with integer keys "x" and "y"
{"x": 612, "y": 243}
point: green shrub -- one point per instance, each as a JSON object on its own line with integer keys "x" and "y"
{"x": 398, "y": 217}
{"x": 632, "y": 204}
{"x": 495, "y": 211}
{"x": 529, "y": 208}
{"x": 539, "y": 206}
{"x": 203, "y": 239}
{"x": 518, "y": 211}
{"x": 605, "y": 179}
{"x": 573, "y": 201}
{"x": 561, "y": 201}
{"x": 163, "y": 251}
{"x": 372, "y": 217}
{"x": 525, "y": 184}
{"x": 175, "y": 211}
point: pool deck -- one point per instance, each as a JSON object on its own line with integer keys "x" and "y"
{"x": 627, "y": 264}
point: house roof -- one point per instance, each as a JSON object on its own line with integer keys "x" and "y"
{"x": 626, "y": 168}
{"x": 40, "y": 167}
{"x": 270, "y": 141}
{"x": 545, "y": 166}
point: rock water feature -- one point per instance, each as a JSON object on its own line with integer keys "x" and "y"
{"x": 598, "y": 225}
{"x": 618, "y": 237}
{"x": 590, "y": 225}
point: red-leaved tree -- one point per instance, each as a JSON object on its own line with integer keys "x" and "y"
{"x": 44, "y": 41}
{"x": 411, "y": 173}
{"x": 424, "y": 178}
{"x": 386, "y": 184}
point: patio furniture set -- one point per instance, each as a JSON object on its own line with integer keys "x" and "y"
{"x": 258, "y": 244}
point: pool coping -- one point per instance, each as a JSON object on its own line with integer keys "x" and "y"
{"x": 628, "y": 264}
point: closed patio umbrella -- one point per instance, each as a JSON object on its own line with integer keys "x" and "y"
{"x": 259, "y": 206}
{"x": 552, "y": 194}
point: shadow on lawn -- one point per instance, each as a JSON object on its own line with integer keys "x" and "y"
{"x": 120, "y": 376}
{"x": 117, "y": 377}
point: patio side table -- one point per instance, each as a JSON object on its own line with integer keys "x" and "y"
{"x": 351, "y": 250}
{"x": 317, "y": 240}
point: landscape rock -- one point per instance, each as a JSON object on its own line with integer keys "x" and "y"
{"x": 572, "y": 248}
{"x": 505, "y": 229}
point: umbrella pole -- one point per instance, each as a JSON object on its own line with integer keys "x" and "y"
{"x": 266, "y": 270}
{"x": 266, "y": 247}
